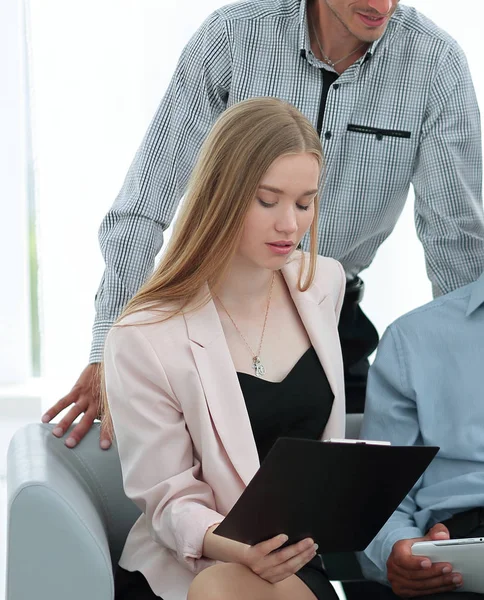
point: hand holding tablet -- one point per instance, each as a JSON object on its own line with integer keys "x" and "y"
{"x": 466, "y": 557}
{"x": 411, "y": 575}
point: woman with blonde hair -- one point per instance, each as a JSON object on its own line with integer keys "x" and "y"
{"x": 231, "y": 344}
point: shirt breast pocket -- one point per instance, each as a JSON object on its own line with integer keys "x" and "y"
{"x": 384, "y": 158}
{"x": 380, "y": 133}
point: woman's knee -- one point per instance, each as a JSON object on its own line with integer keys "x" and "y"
{"x": 220, "y": 582}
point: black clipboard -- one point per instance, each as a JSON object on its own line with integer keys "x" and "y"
{"x": 339, "y": 494}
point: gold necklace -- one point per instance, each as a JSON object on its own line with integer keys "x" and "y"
{"x": 256, "y": 361}
{"x": 326, "y": 58}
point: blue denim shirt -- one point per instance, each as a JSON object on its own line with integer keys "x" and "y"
{"x": 426, "y": 386}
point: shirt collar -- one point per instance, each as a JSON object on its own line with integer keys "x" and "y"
{"x": 305, "y": 45}
{"x": 476, "y": 299}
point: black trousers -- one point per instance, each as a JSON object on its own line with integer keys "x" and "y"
{"x": 467, "y": 524}
{"x": 359, "y": 339}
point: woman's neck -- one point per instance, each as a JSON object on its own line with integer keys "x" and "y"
{"x": 245, "y": 283}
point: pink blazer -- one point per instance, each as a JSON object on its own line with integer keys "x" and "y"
{"x": 184, "y": 437}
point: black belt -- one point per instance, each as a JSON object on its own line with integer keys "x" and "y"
{"x": 355, "y": 290}
{"x": 464, "y": 523}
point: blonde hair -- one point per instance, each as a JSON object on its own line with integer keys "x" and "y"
{"x": 244, "y": 142}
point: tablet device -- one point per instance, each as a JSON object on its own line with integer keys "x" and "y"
{"x": 350, "y": 441}
{"x": 465, "y": 555}
{"x": 339, "y": 494}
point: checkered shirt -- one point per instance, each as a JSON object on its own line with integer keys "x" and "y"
{"x": 405, "y": 113}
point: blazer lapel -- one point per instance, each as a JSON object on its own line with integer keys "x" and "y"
{"x": 222, "y": 390}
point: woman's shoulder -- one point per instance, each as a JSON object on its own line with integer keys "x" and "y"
{"x": 151, "y": 324}
{"x": 329, "y": 276}
{"x": 328, "y": 269}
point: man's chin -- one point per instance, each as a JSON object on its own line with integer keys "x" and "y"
{"x": 368, "y": 37}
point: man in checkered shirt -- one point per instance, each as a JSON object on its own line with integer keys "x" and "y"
{"x": 392, "y": 98}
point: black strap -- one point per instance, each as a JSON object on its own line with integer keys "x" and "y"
{"x": 329, "y": 77}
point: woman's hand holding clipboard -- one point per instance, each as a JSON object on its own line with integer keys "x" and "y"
{"x": 338, "y": 493}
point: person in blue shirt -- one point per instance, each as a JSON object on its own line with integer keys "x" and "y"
{"x": 426, "y": 388}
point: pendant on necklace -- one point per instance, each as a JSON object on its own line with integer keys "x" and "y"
{"x": 258, "y": 367}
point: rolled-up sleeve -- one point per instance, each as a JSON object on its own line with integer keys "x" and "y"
{"x": 160, "y": 473}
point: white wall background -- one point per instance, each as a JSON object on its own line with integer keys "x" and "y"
{"x": 14, "y": 290}
{"x": 100, "y": 68}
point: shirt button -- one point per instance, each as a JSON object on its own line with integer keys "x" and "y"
{"x": 379, "y": 136}
{"x": 336, "y": 86}
{"x": 327, "y": 135}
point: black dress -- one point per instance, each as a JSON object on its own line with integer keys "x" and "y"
{"x": 298, "y": 406}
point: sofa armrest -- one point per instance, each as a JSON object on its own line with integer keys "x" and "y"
{"x": 57, "y": 545}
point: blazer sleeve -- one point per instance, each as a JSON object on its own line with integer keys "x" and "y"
{"x": 160, "y": 473}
